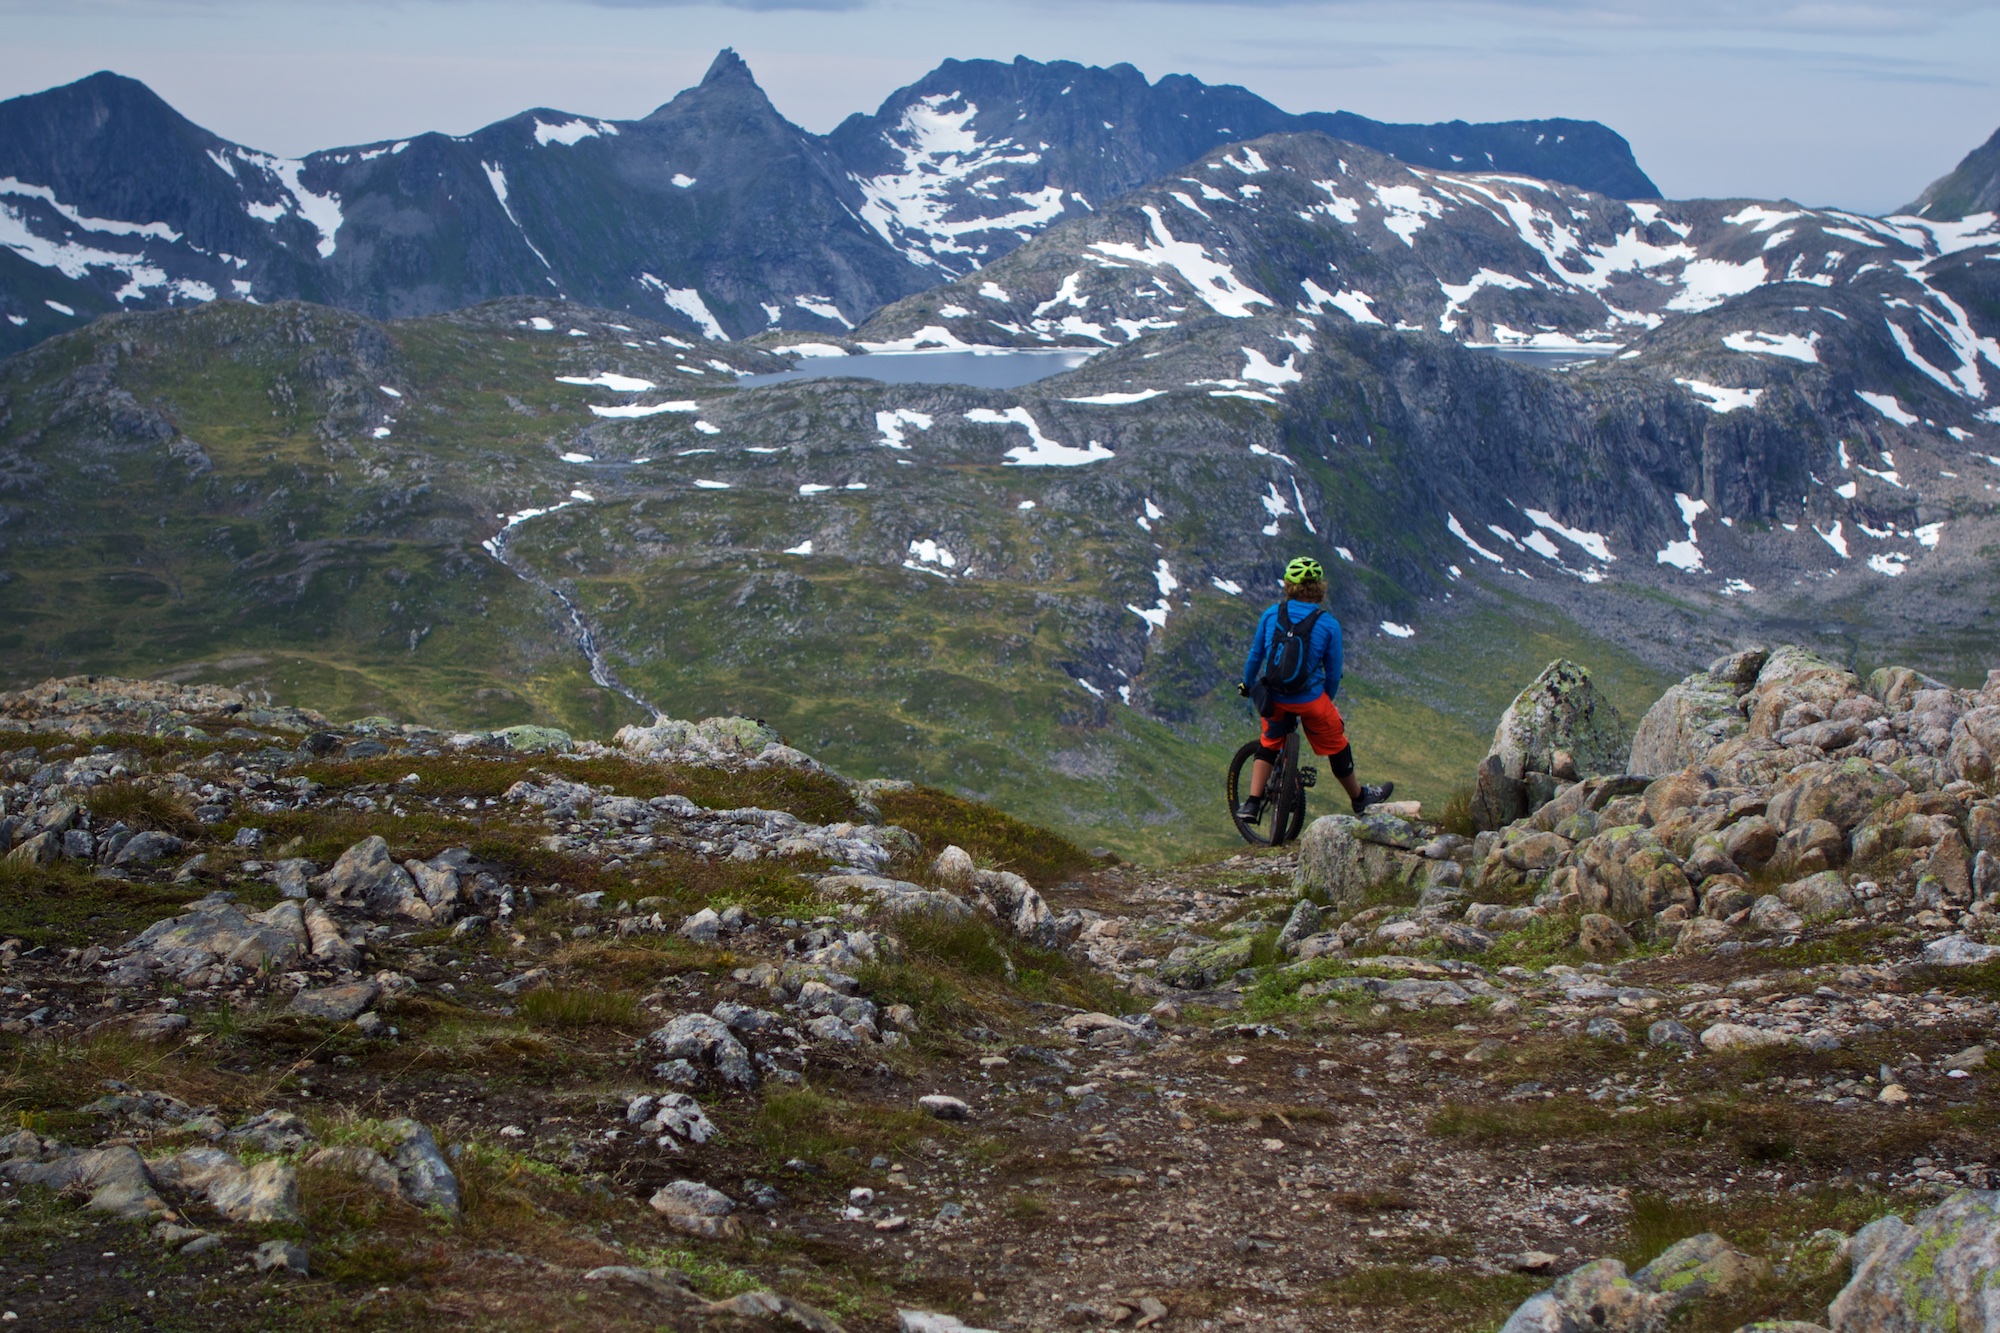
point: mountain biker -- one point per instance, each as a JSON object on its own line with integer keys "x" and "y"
{"x": 1312, "y": 706}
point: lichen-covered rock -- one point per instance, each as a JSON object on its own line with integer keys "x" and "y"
{"x": 527, "y": 739}
{"x": 1821, "y": 897}
{"x": 1601, "y": 937}
{"x": 1561, "y": 711}
{"x": 1208, "y": 965}
{"x": 1975, "y": 745}
{"x": 1305, "y": 921}
{"x": 116, "y": 1179}
{"x": 366, "y": 876}
{"x": 1797, "y": 687}
{"x": 1695, "y": 716}
{"x": 898, "y": 897}
{"x": 217, "y": 931}
{"x": 1940, "y": 1271}
{"x": 424, "y": 1175}
{"x": 700, "y": 1038}
{"x": 336, "y": 1004}
{"x": 1626, "y": 873}
{"x": 714, "y": 740}
{"x": 1701, "y": 1267}
{"x": 1597, "y": 1297}
{"x": 1341, "y": 858}
{"x": 1841, "y": 792}
{"x": 696, "y": 1209}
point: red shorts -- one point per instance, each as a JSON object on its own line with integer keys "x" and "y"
{"x": 1324, "y": 730}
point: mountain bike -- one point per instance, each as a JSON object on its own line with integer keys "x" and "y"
{"x": 1284, "y": 794}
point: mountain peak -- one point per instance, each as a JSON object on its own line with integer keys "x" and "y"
{"x": 728, "y": 67}
{"x": 728, "y": 84}
{"x": 1973, "y": 186}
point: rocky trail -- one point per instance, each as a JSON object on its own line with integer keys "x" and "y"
{"x": 314, "y": 1025}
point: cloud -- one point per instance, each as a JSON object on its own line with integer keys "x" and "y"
{"x": 1817, "y": 17}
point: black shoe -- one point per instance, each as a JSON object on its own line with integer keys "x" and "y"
{"x": 1373, "y": 795}
{"x": 1251, "y": 810}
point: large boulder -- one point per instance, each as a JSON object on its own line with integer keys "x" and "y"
{"x": 1695, "y": 716}
{"x": 1599, "y": 1297}
{"x": 366, "y": 876}
{"x": 217, "y": 931}
{"x": 1626, "y": 873}
{"x": 1342, "y": 857}
{"x": 1939, "y": 1271}
{"x": 702, "y": 1039}
{"x": 1796, "y": 688}
{"x": 1558, "y": 729}
{"x": 1842, "y": 792}
{"x": 1561, "y": 712}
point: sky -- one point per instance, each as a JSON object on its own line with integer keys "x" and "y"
{"x": 1820, "y": 101}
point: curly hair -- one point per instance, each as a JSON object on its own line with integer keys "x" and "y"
{"x": 1311, "y": 590}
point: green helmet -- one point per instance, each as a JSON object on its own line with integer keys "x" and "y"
{"x": 1304, "y": 569}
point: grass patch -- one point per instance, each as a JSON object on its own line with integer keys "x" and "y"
{"x": 63, "y": 905}
{"x": 713, "y": 1278}
{"x": 139, "y": 805}
{"x": 939, "y": 819}
{"x": 1980, "y": 979}
{"x": 817, "y": 1127}
{"x": 815, "y": 798}
{"x": 588, "y": 1008}
{"x": 1456, "y": 816}
{"x": 1776, "y": 1227}
{"x": 1430, "y": 1297}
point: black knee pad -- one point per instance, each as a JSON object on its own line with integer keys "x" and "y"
{"x": 1271, "y": 754}
{"x": 1342, "y": 763}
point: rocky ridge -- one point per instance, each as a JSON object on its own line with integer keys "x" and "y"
{"x": 1187, "y": 1098}
{"x": 713, "y": 213}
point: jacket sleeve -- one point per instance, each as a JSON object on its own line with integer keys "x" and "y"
{"x": 1333, "y": 657}
{"x": 1256, "y": 658}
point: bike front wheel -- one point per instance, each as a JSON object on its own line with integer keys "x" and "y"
{"x": 1239, "y": 787}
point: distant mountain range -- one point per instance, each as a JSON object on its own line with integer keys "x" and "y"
{"x": 713, "y": 213}
{"x": 1786, "y": 423}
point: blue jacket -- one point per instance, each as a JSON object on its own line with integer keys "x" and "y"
{"x": 1323, "y": 652}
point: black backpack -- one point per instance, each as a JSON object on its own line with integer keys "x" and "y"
{"x": 1288, "y": 661}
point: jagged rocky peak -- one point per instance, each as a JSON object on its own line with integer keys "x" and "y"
{"x": 1973, "y": 186}
{"x": 728, "y": 77}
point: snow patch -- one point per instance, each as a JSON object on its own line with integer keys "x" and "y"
{"x": 1155, "y": 616}
{"x": 1457, "y": 530}
{"x": 688, "y": 302}
{"x": 1395, "y": 631}
{"x": 1886, "y": 404}
{"x": 1040, "y": 451}
{"x": 1119, "y": 399}
{"x": 629, "y": 410}
{"x": 605, "y": 379}
{"x": 1720, "y": 398}
{"x": 893, "y": 425}
{"x": 803, "y": 548}
{"x": 572, "y": 132}
{"x": 1685, "y": 555}
{"x": 1214, "y": 283}
{"x": 1790, "y": 345}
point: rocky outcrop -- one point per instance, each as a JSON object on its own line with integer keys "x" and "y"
{"x": 1696, "y": 715}
{"x": 1559, "y": 729}
{"x": 1941, "y": 1270}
